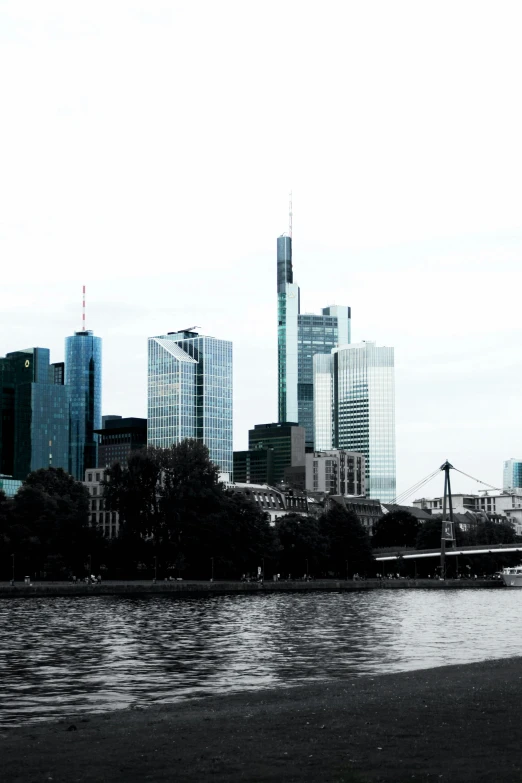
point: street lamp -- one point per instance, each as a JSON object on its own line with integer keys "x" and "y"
{"x": 89, "y": 559}
{"x": 307, "y": 569}
{"x": 263, "y": 573}
{"x": 155, "y": 568}
{"x": 212, "y": 562}
{"x": 13, "y": 559}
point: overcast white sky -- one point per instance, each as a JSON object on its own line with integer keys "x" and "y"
{"x": 147, "y": 150}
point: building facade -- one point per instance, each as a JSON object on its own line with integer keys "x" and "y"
{"x": 118, "y": 438}
{"x": 368, "y": 511}
{"x": 83, "y": 377}
{"x": 254, "y": 466}
{"x": 285, "y": 439}
{"x": 336, "y": 472}
{"x": 276, "y": 503}
{"x": 300, "y": 337}
{"x": 34, "y": 421}
{"x": 512, "y": 475}
{"x": 362, "y": 410}
{"x": 9, "y": 486}
{"x": 107, "y": 522}
{"x": 190, "y": 393}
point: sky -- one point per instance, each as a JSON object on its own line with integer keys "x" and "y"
{"x": 147, "y": 150}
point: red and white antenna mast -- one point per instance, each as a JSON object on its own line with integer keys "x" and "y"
{"x": 83, "y": 311}
{"x": 290, "y": 213}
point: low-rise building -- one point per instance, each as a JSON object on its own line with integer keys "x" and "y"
{"x": 336, "y": 472}
{"x": 106, "y": 521}
{"x": 367, "y": 510}
{"x": 494, "y": 505}
{"x": 275, "y": 502}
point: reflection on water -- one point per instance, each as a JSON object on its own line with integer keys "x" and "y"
{"x": 60, "y": 656}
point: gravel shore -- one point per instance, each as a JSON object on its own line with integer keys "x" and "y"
{"x": 452, "y": 724}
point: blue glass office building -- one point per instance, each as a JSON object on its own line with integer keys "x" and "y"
{"x": 355, "y": 392}
{"x": 83, "y": 377}
{"x": 34, "y": 414}
{"x": 512, "y": 474}
{"x": 300, "y": 337}
{"x": 190, "y": 393}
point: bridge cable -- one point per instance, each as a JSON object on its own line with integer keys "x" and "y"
{"x": 477, "y": 480}
{"x": 406, "y": 494}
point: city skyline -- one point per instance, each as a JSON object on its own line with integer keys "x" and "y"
{"x": 406, "y": 209}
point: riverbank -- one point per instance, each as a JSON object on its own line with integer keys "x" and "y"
{"x": 191, "y": 588}
{"x": 456, "y": 724}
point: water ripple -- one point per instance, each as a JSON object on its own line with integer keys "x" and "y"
{"x": 60, "y": 656}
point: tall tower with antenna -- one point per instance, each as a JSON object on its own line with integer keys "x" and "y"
{"x": 287, "y": 314}
{"x": 299, "y": 337}
{"x": 83, "y": 376}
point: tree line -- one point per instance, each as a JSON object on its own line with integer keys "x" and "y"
{"x": 178, "y": 521}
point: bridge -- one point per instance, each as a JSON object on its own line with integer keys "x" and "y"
{"x": 407, "y": 553}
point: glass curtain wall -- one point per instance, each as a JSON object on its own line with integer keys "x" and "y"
{"x": 364, "y": 412}
{"x": 83, "y": 377}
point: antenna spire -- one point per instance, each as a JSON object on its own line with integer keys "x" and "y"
{"x": 83, "y": 311}
{"x": 290, "y": 213}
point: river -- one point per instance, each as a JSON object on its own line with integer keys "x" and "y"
{"x": 65, "y": 656}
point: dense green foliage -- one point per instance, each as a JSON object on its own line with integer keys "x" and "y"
{"x": 46, "y": 527}
{"x": 398, "y": 528}
{"x": 176, "y": 520}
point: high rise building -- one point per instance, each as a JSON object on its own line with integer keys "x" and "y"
{"x": 300, "y": 337}
{"x": 83, "y": 377}
{"x": 512, "y": 478}
{"x": 254, "y": 466}
{"x": 34, "y": 417}
{"x": 361, "y": 397}
{"x": 119, "y": 437}
{"x": 190, "y": 393}
{"x": 287, "y": 442}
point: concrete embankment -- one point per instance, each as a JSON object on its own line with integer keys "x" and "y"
{"x": 456, "y": 724}
{"x": 191, "y": 588}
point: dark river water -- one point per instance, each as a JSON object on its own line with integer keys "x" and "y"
{"x": 64, "y": 656}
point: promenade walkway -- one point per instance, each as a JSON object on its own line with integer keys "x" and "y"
{"x": 191, "y": 587}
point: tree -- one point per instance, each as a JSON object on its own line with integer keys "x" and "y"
{"x": 348, "y": 550}
{"x": 173, "y": 508}
{"x": 302, "y": 546}
{"x": 50, "y": 523}
{"x": 133, "y": 491}
{"x": 398, "y": 528}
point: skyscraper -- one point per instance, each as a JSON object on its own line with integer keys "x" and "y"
{"x": 83, "y": 377}
{"x": 190, "y": 393}
{"x": 512, "y": 478}
{"x": 34, "y": 417}
{"x": 361, "y": 397}
{"x": 300, "y": 337}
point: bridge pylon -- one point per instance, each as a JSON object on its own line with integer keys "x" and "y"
{"x": 448, "y": 525}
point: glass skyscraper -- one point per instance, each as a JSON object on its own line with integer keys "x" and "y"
{"x": 190, "y": 393}
{"x": 300, "y": 337}
{"x": 83, "y": 377}
{"x": 512, "y": 478}
{"x": 361, "y": 397}
{"x": 34, "y": 415}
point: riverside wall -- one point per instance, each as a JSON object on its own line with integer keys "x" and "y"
{"x": 198, "y": 588}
